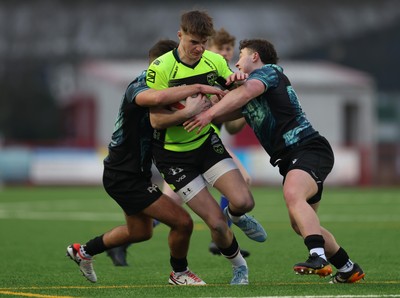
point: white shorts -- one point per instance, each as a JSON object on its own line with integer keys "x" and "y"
{"x": 190, "y": 190}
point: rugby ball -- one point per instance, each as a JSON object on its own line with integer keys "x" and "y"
{"x": 180, "y": 105}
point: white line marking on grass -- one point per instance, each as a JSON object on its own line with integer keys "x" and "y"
{"x": 116, "y": 216}
{"x": 44, "y": 215}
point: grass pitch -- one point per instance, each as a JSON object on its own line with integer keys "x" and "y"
{"x": 37, "y": 224}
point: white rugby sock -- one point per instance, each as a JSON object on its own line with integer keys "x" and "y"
{"x": 319, "y": 251}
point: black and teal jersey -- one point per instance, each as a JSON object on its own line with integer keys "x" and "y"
{"x": 169, "y": 71}
{"x": 130, "y": 146}
{"x": 276, "y": 116}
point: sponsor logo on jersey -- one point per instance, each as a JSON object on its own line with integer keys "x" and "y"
{"x": 153, "y": 188}
{"x": 214, "y": 139}
{"x": 180, "y": 179}
{"x": 151, "y": 76}
{"x": 174, "y": 171}
{"x": 175, "y": 72}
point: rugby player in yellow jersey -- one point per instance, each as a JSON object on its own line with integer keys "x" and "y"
{"x": 190, "y": 161}
{"x": 127, "y": 178}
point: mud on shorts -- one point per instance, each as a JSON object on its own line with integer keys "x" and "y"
{"x": 315, "y": 156}
{"x": 189, "y": 172}
{"x": 132, "y": 193}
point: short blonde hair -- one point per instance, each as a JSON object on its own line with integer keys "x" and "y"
{"x": 222, "y": 37}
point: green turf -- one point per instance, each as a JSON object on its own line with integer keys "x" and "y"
{"x": 36, "y": 225}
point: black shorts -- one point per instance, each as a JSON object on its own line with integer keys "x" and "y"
{"x": 180, "y": 168}
{"x": 315, "y": 156}
{"x": 132, "y": 193}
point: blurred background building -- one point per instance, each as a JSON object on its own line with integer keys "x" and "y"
{"x": 65, "y": 65}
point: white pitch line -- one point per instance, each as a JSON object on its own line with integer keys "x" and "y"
{"x": 73, "y": 216}
{"x": 116, "y": 216}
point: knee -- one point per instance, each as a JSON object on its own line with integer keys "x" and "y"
{"x": 291, "y": 196}
{"x": 245, "y": 204}
{"x": 187, "y": 225}
{"x": 184, "y": 224}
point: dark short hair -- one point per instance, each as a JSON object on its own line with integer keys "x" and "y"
{"x": 161, "y": 47}
{"x": 263, "y": 47}
{"x": 198, "y": 23}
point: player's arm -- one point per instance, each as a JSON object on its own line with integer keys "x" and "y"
{"x": 153, "y": 98}
{"x": 237, "y": 98}
{"x": 234, "y": 126}
{"x": 232, "y": 101}
{"x": 162, "y": 118}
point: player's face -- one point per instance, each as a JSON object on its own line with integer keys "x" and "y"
{"x": 245, "y": 63}
{"x": 225, "y": 50}
{"x": 192, "y": 46}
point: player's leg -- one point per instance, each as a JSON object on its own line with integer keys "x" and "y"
{"x": 204, "y": 205}
{"x": 179, "y": 221}
{"x": 181, "y": 169}
{"x": 181, "y": 226}
{"x": 83, "y": 254}
{"x": 118, "y": 254}
{"x": 212, "y": 247}
{"x": 224, "y": 202}
{"x": 228, "y": 180}
{"x": 347, "y": 270}
{"x": 297, "y": 188}
{"x": 132, "y": 195}
{"x": 220, "y": 171}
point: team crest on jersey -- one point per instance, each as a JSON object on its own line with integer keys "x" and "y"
{"x": 219, "y": 148}
{"x": 151, "y": 76}
{"x": 211, "y": 77}
{"x": 216, "y": 143}
{"x": 156, "y": 62}
{"x": 156, "y": 135}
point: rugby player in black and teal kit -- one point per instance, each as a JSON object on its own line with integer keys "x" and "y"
{"x": 127, "y": 178}
{"x": 304, "y": 157}
{"x": 188, "y": 161}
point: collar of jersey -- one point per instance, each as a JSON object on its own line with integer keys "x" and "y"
{"x": 176, "y": 55}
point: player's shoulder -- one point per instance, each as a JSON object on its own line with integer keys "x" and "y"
{"x": 213, "y": 56}
{"x": 218, "y": 61}
{"x": 266, "y": 70}
{"x": 163, "y": 61}
{"x": 139, "y": 80}
{"x": 137, "y": 85}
